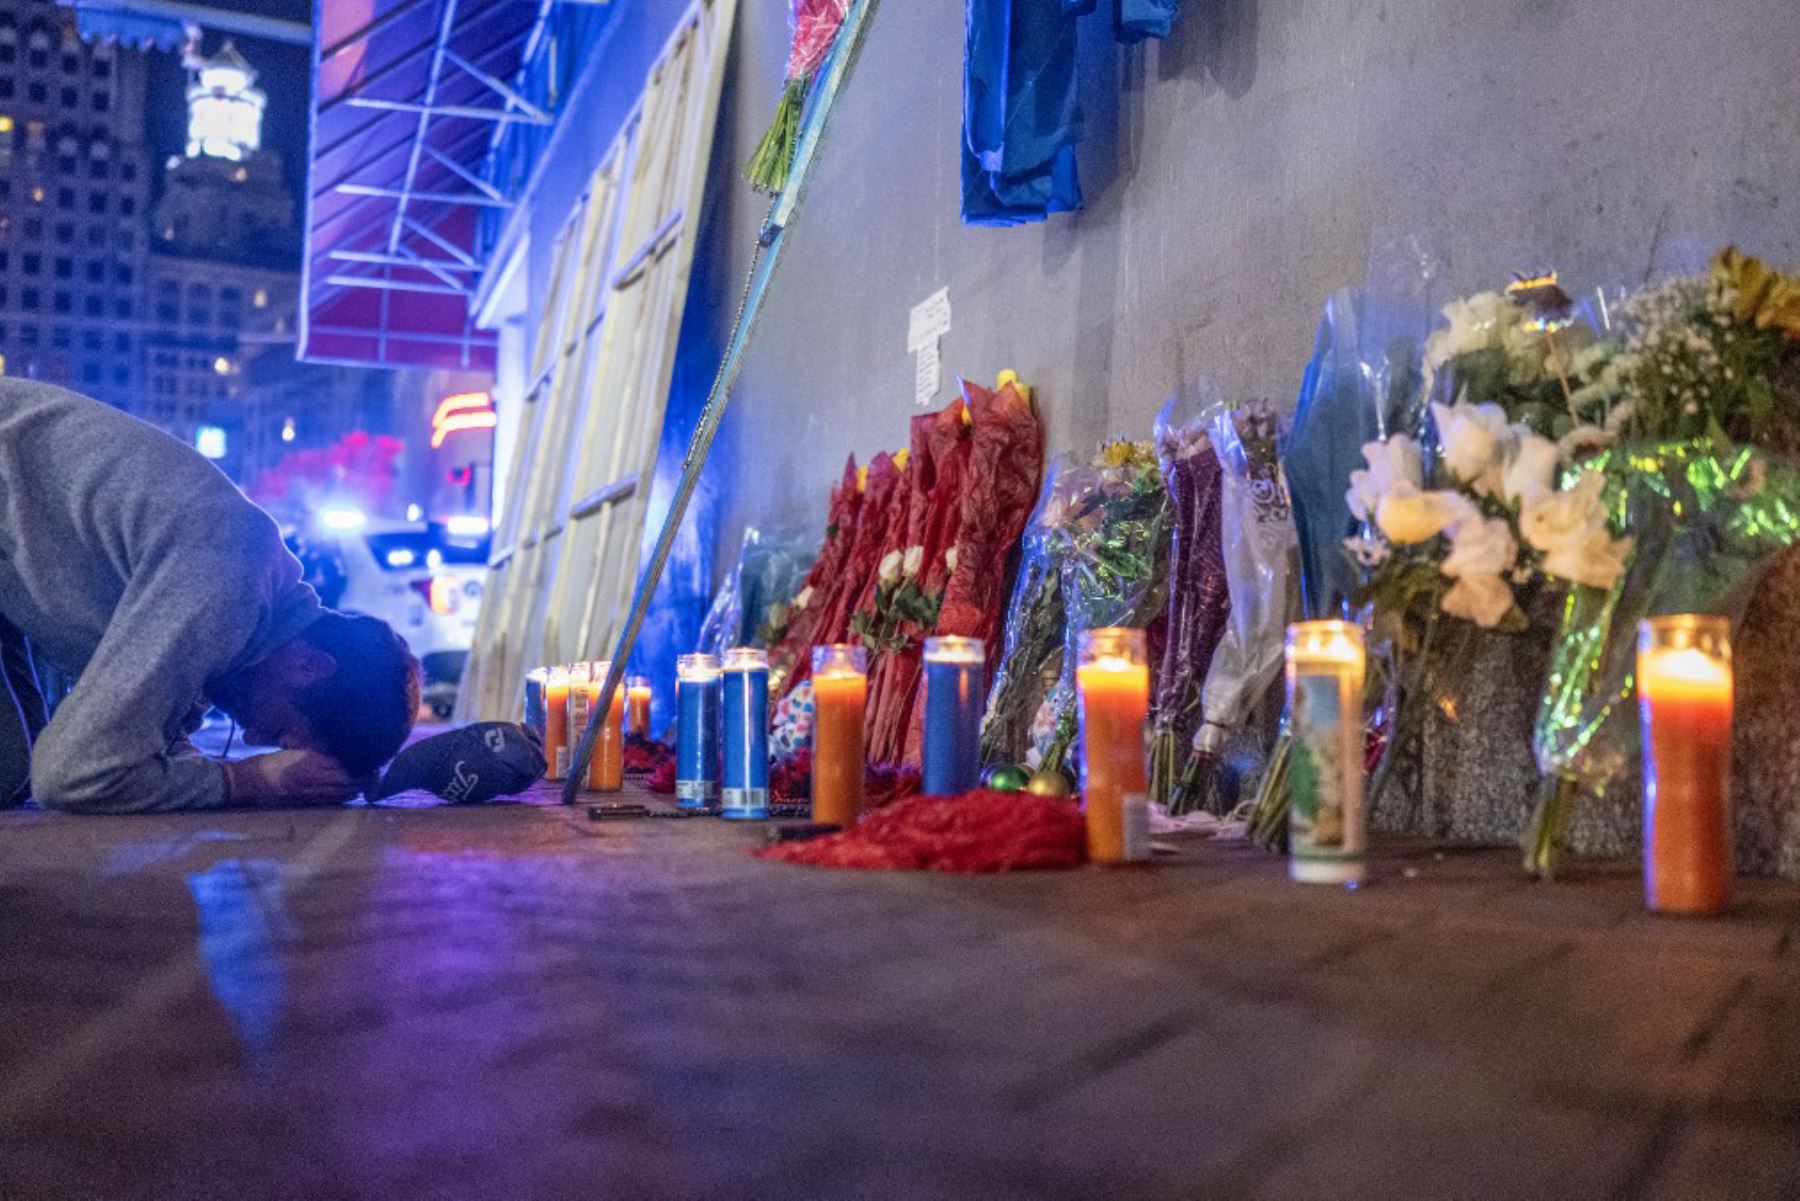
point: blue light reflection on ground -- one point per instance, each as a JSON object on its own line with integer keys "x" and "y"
{"x": 243, "y": 919}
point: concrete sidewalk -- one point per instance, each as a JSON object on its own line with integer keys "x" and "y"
{"x": 517, "y": 1002}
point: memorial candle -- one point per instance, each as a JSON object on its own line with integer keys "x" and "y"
{"x": 639, "y": 712}
{"x": 1684, "y": 683}
{"x": 580, "y": 700}
{"x": 954, "y": 687}
{"x": 840, "y": 693}
{"x": 1326, "y": 825}
{"x": 556, "y": 724}
{"x": 606, "y": 769}
{"x": 745, "y": 794}
{"x": 697, "y": 731}
{"x": 534, "y": 699}
{"x": 1114, "y": 682}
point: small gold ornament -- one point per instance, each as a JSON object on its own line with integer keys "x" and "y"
{"x": 1049, "y": 783}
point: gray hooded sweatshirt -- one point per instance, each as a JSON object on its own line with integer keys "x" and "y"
{"x": 130, "y": 561}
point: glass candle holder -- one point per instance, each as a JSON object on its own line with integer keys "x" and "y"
{"x": 1684, "y": 683}
{"x": 638, "y": 693}
{"x": 606, "y": 767}
{"x": 534, "y": 699}
{"x": 840, "y": 694}
{"x": 556, "y": 724}
{"x": 1114, "y": 682}
{"x": 955, "y": 668}
{"x": 1327, "y": 828}
{"x": 697, "y": 731}
{"x": 581, "y": 696}
{"x": 745, "y": 793}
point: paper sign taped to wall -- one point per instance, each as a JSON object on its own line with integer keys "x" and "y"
{"x": 930, "y": 320}
{"x": 927, "y": 374}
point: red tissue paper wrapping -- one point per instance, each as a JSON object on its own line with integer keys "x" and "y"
{"x": 975, "y": 833}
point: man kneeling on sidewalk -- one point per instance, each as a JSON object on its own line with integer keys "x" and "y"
{"x": 132, "y": 563}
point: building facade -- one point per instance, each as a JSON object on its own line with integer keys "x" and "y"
{"x": 167, "y": 290}
{"x": 75, "y": 182}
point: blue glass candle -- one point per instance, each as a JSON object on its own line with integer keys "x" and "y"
{"x": 954, "y": 671}
{"x": 746, "y": 707}
{"x": 697, "y": 731}
{"x": 535, "y": 679}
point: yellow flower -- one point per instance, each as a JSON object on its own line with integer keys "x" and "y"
{"x": 1125, "y": 454}
{"x": 1759, "y": 296}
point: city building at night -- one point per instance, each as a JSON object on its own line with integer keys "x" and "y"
{"x": 75, "y": 188}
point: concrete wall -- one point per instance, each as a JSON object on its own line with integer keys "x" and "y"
{"x": 1234, "y": 177}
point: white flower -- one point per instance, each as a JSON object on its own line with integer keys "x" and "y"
{"x": 1406, "y": 515}
{"x": 889, "y": 571}
{"x": 1480, "y": 546}
{"x": 1482, "y": 599}
{"x": 1531, "y": 468}
{"x": 1391, "y": 464}
{"x": 1593, "y": 558}
{"x": 950, "y": 561}
{"x": 803, "y": 598}
{"x": 913, "y": 560}
{"x": 1569, "y": 527}
{"x": 1474, "y": 324}
{"x": 1583, "y": 438}
{"x": 1474, "y": 438}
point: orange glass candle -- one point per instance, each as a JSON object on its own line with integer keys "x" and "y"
{"x": 1684, "y": 683}
{"x": 840, "y": 693}
{"x": 638, "y": 710}
{"x": 580, "y": 699}
{"x": 606, "y": 770}
{"x": 556, "y": 724}
{"x": 1114, "y": 681}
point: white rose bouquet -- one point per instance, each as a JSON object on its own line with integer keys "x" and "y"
{"x": 1491, "y": 521}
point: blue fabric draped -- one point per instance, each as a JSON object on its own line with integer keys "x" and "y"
{"x": 1021, "y": 116}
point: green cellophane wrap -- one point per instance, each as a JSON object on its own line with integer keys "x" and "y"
{"x": 1707, "y": 518}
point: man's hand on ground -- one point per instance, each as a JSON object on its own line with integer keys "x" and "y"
{"x": 289, "y": 778}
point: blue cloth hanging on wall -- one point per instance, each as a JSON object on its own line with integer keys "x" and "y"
{"x": 1021, "y": 118}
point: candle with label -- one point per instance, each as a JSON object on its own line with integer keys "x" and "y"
{"x": 556, "y": 724}
{"x": 955, "y": 668}
{"x": 580, "y": 700}
{"x": 1327, "y": 830}
{"x": 697, "y": 731}
{"x": 840, "y": 693}
{"x": 606, "y": 769}
{"x": 1114, "y": 683}
{"x": 1684, "y": 682}
{"x": 745, "y": 794}
{"x": 638, "y": 725}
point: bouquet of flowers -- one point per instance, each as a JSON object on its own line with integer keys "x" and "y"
{"x": 1034, "y": 633}
{"x": 1454, "y": 527}
{"x": 816, "y": 24}
{"x": 1705, "y": 380}
{"x": 1259, "y": 555}
{"x": 1110, "y": 538}
{"x": 1199, "y": 596}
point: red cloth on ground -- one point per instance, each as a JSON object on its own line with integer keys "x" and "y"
{"x": 976, "y": 832}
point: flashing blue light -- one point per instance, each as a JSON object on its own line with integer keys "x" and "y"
{"x": 466, "y": 525}
{"x": 401, "y": 557}
{"x": 342, "y": 518}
